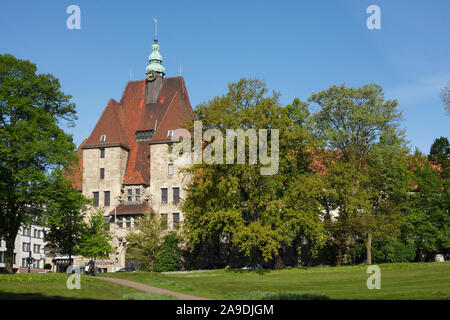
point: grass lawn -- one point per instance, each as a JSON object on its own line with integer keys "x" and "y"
{"x": 398, "y": 281}
{"x": 53, "y": 286}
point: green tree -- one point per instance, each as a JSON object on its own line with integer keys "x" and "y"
{"x": 168, "y": 254}
{"x": 143, "y": 243}
{"x": 31, "y": 143}
{"x": 95, "y": 240}
{"x": 440, "y": 156}
{"x": 359, "y": 127}
{"x": 428, "y": 221}
{"x": 64, "y": 215}
{"x": 304, "y": 212}
{"x": 351, "y": 120}
{"x": 234, "y": 201}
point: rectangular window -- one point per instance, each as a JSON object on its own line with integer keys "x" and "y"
{"x": 170, "y": 133}
{"x": 130, "y": 192}
{"x": 107, "y": 198}
{"x": 102, "y": 153}
{"x": 102, "y": 138}
{"x": 128, "y": 225}
{"x": 170, "y": 169}
{"x": 130, "y": 198}
{"x": 2, "y": 257}
{"x": 27, "y": 232}
{"x": 164, "y": 195}
{"x": 176, "y": 220}
{"x": 24, "y": 262}
{"x": 36, "y": 248}
{"x": 138, "y": 198}
{"x": 120, "y": 225}
{"x": 35, "y": 233}
{"x": 26, "y": 247}
{"x": 176, "y": 195}
{"x": 96, "y": 199}
{"x": 138, "y": 191}
{"x": 102, "y": 173}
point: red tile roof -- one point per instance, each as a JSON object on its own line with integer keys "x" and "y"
{"x": 120, "y": 121}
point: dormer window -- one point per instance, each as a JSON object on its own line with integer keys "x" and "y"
{"x": 170, "y": 133}
{"x": 103, "y": 138}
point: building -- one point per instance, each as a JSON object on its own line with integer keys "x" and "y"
{"x": 125, "y": 164}
{"x": 29, "y": 242}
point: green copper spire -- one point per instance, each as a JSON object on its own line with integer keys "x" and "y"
{"x": 155, "y": 57}
{"x": 155, "y": 60}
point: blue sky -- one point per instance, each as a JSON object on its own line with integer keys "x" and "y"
{"x": 297, "y": 47}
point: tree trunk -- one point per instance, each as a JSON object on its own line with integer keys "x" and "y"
{"x": 10, "y": 253}
{"x": 229, "y": 248}
{"x": 369, "y": 248}
{"x": 278, "y": 262}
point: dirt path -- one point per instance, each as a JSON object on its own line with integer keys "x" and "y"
{"x": 151, "y": 289}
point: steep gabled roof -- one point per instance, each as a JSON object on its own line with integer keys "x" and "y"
{"x": 109, "y": 125}
{"x": 121, "y": 120}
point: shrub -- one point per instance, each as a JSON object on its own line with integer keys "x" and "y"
{"x": 357, "y": 253}
{"x": 168, "y": 254}
{"x": 47, "y": 266}
{"x": 384, "y": 251}
{"x": 393, "y": 251}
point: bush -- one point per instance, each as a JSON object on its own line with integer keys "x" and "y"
{"x": 357, "y": 253}
{"x": 168, "y": 254}
{"x": 384, "y": 251}
{"x": 47, "y": 266}
{"x": 393, "y": 251}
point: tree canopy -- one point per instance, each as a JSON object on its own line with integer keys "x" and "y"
{"x": 32, "y": 144}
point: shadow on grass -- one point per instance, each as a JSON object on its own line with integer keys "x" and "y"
{"x": 277, "y": 296}
{"x": 33, "y": 296}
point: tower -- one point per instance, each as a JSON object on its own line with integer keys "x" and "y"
{"x": 154, "y": 73}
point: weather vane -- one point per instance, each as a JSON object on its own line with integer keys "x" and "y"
{"x": 156, "y": 28}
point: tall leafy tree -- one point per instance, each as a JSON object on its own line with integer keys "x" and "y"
{"x": 95, "y": 241}
{"x": 234, "y": 201}
{"x": 32, "y": 106}
{"x": 64, "y": 215}
{"x": 440, "y": 156}
{"x": 428, "y": 221}
{"x": 143, "y": 243}
{"x": 360, "y": 129}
